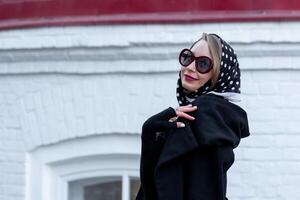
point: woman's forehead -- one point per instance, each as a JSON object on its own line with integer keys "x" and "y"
{"x": 201, "y": 49}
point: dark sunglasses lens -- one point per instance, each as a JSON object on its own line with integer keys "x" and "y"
{"x": 186, "y": 57}
{"x": 203, "y": 65}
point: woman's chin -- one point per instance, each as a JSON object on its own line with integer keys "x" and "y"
{"x": 189, "y": 88}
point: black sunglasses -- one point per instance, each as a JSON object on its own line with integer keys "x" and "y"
{"x": 203, "y": 63}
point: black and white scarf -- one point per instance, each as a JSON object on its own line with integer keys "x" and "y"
{"x": 228, "y": 82}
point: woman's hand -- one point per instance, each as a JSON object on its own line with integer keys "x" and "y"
{"x": 167, "y": 119}
{"x": 180, "y": 112}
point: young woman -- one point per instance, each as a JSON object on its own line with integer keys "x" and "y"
{"x": 186, "y": 151}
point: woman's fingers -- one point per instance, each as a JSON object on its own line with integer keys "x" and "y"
{"x": 180, "y": 111}
{"x": 173, "y": 119}
{"x": 180, "y": 124}
{"x": 187, "y": 109}
{"x": 184, "y": 115}
{"x": 189, "y": 105}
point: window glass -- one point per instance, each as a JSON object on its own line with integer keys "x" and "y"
{"x": 104, "y": 188}
{"x": 134, "y": 187}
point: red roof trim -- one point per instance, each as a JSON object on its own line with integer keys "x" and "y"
{"x": 155, "y": 18}
{"x": 32, "y": 13}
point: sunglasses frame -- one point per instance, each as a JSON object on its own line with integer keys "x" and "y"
{"x": 194, "y": 58}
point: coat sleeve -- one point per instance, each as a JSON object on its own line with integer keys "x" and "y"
{"x": 219, "y": 122}
{"x": 152, "y": 144}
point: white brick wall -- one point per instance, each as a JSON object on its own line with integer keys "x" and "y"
{"x": 12, "y": 166}
{"x": 63, "y": 83}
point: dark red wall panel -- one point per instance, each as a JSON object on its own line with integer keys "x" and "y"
{"x": 28, "y": 13}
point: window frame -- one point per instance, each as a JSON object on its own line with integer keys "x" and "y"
{"x": 50, "y": 169}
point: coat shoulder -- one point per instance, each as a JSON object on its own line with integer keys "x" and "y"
{"x": 215, "y": 101}
{"x": 217, "y": 115}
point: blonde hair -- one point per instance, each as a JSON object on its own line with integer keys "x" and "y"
{"x": 215, "y": 49}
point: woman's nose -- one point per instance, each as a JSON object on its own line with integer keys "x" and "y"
{"x": 191, "y": 66}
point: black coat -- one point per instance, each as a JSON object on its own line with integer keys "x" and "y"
{"x": 190, "y": 163}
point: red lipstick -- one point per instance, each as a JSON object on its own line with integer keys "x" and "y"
{"x": 189, "y": 78}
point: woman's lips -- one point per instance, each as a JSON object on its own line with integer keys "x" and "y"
{"x": 189, "y": 78}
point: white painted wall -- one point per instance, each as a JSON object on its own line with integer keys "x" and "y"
{"x": 61, "y": 84}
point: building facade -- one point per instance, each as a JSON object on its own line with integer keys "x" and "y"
{"x": 73, "y": 100}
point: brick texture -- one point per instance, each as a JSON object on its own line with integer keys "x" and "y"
{"x": 63, "y": 83}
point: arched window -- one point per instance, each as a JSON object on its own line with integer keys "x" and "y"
{"x": 102, "y": 167}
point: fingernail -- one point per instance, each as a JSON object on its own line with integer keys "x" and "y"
{"x": 195, "y": 106}
{"x": 190, "y": 105}
{"x": 182, "y": 125}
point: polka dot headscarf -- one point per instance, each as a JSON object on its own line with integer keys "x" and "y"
{"x": 228, "y": 82}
